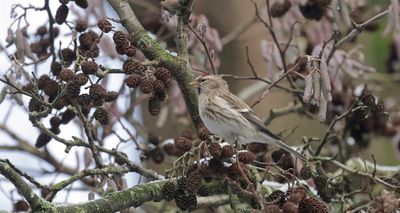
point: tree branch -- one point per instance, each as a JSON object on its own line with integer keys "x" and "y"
{"x": 153, "y": 51}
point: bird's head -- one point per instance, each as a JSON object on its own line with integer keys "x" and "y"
{"x": 210, "y": 84}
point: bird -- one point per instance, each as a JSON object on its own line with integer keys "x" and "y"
{"x": 228, "y": 117}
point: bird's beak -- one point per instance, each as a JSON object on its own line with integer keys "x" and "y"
{"x": 195, "y": 84}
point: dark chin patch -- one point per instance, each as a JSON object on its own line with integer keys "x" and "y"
{"x": 199, "y": 90}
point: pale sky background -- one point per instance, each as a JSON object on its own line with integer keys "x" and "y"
{"x": 18, "y": 119}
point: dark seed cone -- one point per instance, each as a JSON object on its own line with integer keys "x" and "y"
{"x": 257, "y": 147}
{"x": 289, "y": 207}
{"x": 81, "y": 25}
{"x": 170, "y": 149}
{"x": 312, "y": 10}
{"x": 89, "y": 67}
{"x": 121, "y": 39}
{"x": 168, "y": 191}
{"x": 234, "y": 170}
{"x": 312, "y": 205}
{"x": 27, "y": 88}
{"x": 83, "y": 99}
{"x": 215, "y": 150}
{"x": 97, "y": 93}
{"x": 68, "y": 56}
{"x": 203, "y": 133}
{"x": 153, "y": 138}
{"x": 55, "y": 68}
{"x": 271, "y": 208}
{"x": 86, "y": 40}
{"x": 305, "y": 172}
{"x": 161, "y": 96}
{"x": 185, "y": 202}
{"x": 193, "y": 182}
{"x": 154, "y": 106}
{"x": 41, "y": 31}
{"x": 320, "y": 181}
{"x": 80, "y": 79}
{"x": 82, "y": 3}
{"x": 158, "y": 87}
{"x": 67, "y": 116}
{"x": 296, "y": 195}
{"x": 246, "y": 157}
{"x": 203, "y": 191}
{"x": 66, "y": 75}
{"x": 55, "y": 121}
{"x": 43, "y": 80}
{"x": 181, "y": 184}
{"x": 61, "y": 14}
{"x": 42, "y": 140}
{"x": 21, "y": 206}
{"x": 227, "y": 151}
{"x": 35, "y": 105}
{"x": 130, "y": 52}
{"x": 146, "y": 86}
{"x": 119, "y": 49}
{"x": 283, "y": 158}
{"x": 279, "y": 9}
{"x": 51, "y": 88}
{"x": 368, "y": 100}
{"x": 101, "y": 115}
{"x": 55, "y": 130}
{"x": 133, "y": 81}
{"x": 73, "y": 90}
{"x": 191, "y": 168}
{"x": 187, "y": 133}
{"x": 276, "y": 196}
{"x": 325, "y": 194}
{"x": 183, "y": 144}
{"x": 255, "y": 204}
{"x": 162, "y": 74}
{"x": 130, "y": 67}
{"x": 104, "y": 25}
{"x": 111, "y": 96}
{"x": 157, "y": 155}
{"x": 217, "y": 166}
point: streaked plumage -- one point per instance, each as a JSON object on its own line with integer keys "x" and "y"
{"x": 227, "y": 116}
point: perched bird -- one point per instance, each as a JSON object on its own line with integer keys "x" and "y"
{"x": 225, "y": 115}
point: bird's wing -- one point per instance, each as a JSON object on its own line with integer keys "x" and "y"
{"x": 248, "y": 113}
{"x": 250, "y": 116}
{"x": 244, "y": 110}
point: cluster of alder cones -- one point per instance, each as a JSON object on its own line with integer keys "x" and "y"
{"x": 76, "y": 70}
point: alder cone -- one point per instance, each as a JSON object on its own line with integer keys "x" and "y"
{"x": 133, "y": 81}
{"x": 183, "y": 144}
{"x": 61, "y": 14}
{"x": 101, "y": 115}
{"x": 89, "y": 67}
{"x": 154, "y": 106}
{"x": 81, "y": 79}
{"x": 42, "y": 140}
{"x": 81, "y": 25}
{"x": 82, "y": 3}
{"x": 104, "y": 25}
{"x": 55, "y": 68}
{"x": 66, "y": 74}
{"x": 146, "y": 86}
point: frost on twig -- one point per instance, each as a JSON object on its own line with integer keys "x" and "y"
{"x": 317, "y": 85}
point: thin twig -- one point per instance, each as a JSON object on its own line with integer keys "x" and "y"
{"x": 205, "y": 48}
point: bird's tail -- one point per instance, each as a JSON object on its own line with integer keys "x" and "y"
{"x": 289, "y": 149}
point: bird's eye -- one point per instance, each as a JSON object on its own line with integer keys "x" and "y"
{"x": 203, "y": 79}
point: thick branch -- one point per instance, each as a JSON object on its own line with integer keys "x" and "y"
{"x": 36, "y": 202}
{"x": 153, "y": 51}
